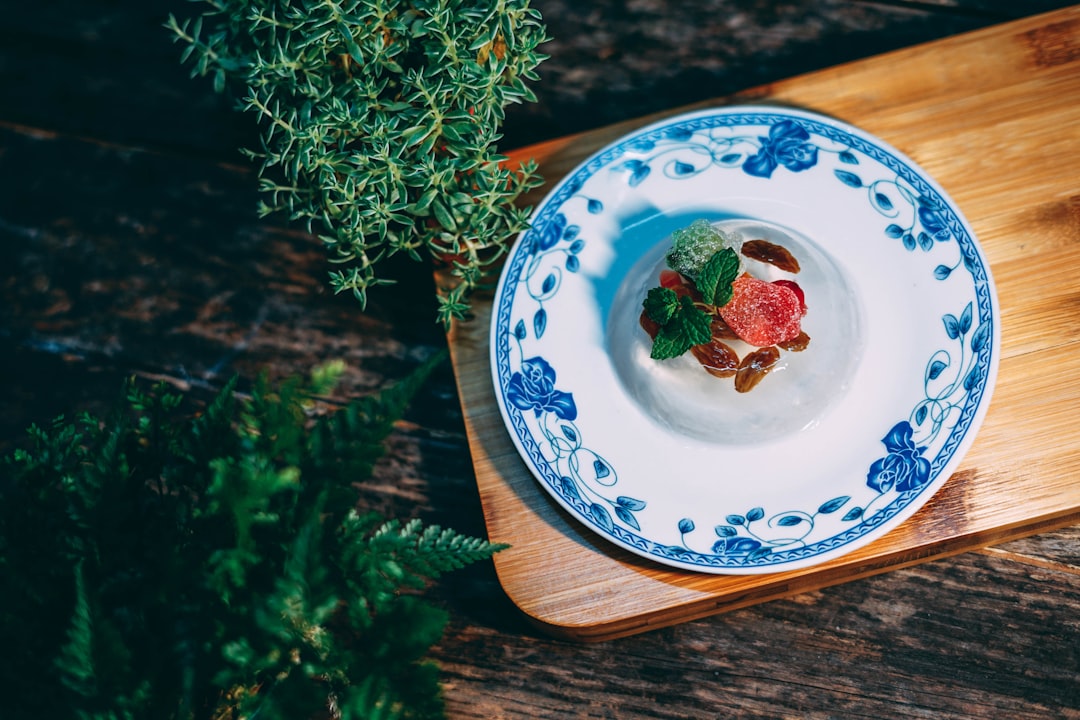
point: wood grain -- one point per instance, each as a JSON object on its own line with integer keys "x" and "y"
{"x": 994, "y": 116}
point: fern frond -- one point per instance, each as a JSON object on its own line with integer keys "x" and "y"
{"x": 379, "y": 561}
{"x": 432, "y": 550}
{"x": 350, "y": 441}
{"x": 75, "y": 662}
{"x": 175, "y": 567}
{"x": 367, "y": 700}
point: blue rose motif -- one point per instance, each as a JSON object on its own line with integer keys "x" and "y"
{"x": 904, "y": 468}
{"x": 534, "y": 389}
{"x": 786, "y": 145}
{"x": 548, "y": 235}
{"x": 932, "y": 217}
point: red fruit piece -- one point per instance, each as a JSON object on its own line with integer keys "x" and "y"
{"x": 762, "y": 313}
{"x": 796, "y": 289}
{"x": 671, "y": 279}
{"x": 678, "y": 284}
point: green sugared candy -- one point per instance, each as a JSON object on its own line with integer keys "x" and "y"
{"x": 692, "y": 246}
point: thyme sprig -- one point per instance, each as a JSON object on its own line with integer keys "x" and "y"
{"x": 379, "y": 122}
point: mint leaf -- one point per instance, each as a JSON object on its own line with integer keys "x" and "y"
{"x": 688, "y": 326}
{"x": 714, "y": 281}
{"x": 661, "y": 304}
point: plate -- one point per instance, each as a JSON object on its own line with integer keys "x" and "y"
{"x": 833, "y": 449}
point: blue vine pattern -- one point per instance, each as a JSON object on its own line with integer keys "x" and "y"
{"x": 584, "y": 476}
{"x": 557, "y": 240}
{"x": 902, "y": 472}
{"x": 789, "y": 145}
{"x": 953, "y": 381}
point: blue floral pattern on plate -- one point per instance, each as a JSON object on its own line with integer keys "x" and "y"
{"x": 918, "y": 449}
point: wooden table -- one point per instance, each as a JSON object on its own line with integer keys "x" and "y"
{"x": 129, "y": 244}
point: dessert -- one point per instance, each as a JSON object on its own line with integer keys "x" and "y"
{"x": 708, "y": 303}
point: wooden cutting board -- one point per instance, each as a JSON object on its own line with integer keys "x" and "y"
{"x": 994, "y": 117}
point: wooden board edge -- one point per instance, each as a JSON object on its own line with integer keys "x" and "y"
{"x": 785, "y": 586}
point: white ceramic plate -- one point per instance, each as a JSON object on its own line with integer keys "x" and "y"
{"x": 848, "y": 440}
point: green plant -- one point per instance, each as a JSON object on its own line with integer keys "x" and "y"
{"x": 159, "y": 565}
{"x": 379, "y": 121}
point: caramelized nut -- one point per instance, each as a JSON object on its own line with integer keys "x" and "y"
{"x": 754, "y": 367}
{"x": 721, "y": 329}
{"x": 717, "y": 358}
{"x": 796, "y": 344}
{"x": 771, "y": 253}
{"x": 649, "y": 325}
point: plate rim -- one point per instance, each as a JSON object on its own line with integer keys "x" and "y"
{"x": 905, "y": 504}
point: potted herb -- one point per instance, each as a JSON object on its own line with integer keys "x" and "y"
{"x": 379, "y": 123}
{"x": 164, "y": 565}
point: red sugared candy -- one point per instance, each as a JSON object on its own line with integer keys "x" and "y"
{"x": 797, "y": 290}
{"x": 763, "y": 313}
